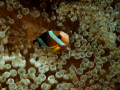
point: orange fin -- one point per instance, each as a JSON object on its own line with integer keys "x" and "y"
{"x": 52, "y": 47}
{"x": 29, "y": 40}
{"x": 55, "y": 48}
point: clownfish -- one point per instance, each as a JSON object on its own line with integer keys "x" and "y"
{"x": 57, "y": 40}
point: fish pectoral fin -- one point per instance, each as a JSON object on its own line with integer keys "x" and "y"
{"x": 55, "y": 48}
{"x": 52, "y": 47}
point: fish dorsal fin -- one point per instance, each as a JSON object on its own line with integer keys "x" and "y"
{"x": 54, "y": 37}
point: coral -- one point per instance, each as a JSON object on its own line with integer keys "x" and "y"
{"x": 91, "y": 61}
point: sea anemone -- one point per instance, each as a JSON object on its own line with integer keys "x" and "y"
{"x": 91, "y": 61}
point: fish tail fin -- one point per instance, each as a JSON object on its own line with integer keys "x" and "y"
{"x": 29, "y": 40}
{"x": 30, "y": 35}
{"x": 35, "y": 41}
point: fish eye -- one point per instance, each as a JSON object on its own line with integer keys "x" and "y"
{"x": 59, "y": 36}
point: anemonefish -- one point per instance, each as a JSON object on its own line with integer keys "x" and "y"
{"x": 57, "y": 40}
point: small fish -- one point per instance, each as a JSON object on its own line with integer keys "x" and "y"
{"x": 56, "y": 40}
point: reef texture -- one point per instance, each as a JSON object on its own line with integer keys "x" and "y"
{"x": 91, "y": 61}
